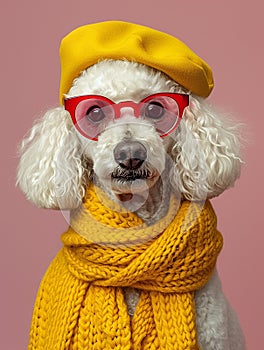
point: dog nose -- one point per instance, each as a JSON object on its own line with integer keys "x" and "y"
{"x": 130, "y": 155}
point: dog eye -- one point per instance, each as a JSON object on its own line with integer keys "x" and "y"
{"x": 95, "y": 114}
{"x": 154, "y": 110}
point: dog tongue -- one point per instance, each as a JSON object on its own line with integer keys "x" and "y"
{"x": 124, "y": 197}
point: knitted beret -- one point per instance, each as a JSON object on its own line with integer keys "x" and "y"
{"x": 86, "y": 45}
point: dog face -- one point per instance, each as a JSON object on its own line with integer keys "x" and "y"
{"x": 200, "y": 159}
{"x": 129, "y": 156}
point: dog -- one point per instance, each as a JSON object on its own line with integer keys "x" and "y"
{"x": 136, "y": 167}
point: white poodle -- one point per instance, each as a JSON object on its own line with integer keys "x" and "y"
{"x": 198, "y": 159}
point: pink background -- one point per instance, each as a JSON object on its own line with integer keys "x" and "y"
{"x": 229, "y": 36}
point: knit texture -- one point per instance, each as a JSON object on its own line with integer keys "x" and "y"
{"x": 80, "y": 303}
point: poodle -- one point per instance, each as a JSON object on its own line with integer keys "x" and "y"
{"x": 138, "y": 163}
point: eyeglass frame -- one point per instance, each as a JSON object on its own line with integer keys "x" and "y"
{"x": 71, "y": 103}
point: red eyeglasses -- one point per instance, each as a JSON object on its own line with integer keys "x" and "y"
{"x": 91, "y": 114}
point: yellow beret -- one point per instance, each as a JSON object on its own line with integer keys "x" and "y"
{"x": 88, "y": 44}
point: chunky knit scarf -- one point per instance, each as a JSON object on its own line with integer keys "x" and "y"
{"x": 80, "y": 303}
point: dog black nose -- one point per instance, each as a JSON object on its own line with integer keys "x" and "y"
{"x": 130, "y": 155}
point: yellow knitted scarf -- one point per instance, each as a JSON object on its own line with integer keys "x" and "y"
{"x": 80, "y": 303}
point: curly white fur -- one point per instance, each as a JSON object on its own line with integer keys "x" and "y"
{"x": 51, "y": 170}
{"x": 214, "y": 164}
{"x": 202, "y": 159}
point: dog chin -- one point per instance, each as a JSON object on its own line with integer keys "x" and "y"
{"x": 127, "y": 186}
{"x": 127, "y": 190}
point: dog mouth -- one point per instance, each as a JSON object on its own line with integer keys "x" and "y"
{"x": 131, "y": 184}
{"x": 129, "y": 176}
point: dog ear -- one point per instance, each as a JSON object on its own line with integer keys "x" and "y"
{"x": 51, "y": 171}
{"x": 206, "y": 152}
